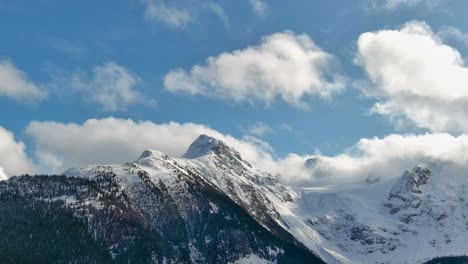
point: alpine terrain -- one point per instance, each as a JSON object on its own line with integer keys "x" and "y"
{"x": 212, "y": 206}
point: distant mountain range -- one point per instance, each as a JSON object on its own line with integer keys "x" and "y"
{"x": 211, "y": 206}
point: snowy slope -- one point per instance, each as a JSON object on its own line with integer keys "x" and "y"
{"x": 420, "y": 215}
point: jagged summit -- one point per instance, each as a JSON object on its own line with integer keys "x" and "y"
{"x": 152, "y": 153}
{"x": 205, "y": 145}
{"x": 411, "y": 181}
{"x": 407, "y": 192}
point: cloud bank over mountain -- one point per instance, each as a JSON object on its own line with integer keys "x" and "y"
{"x": 111, "y": 140}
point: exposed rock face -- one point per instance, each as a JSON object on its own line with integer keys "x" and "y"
{"x": 410, "y": 183}
{"x": 407, "y": 192}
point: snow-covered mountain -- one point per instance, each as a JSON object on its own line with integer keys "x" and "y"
{"x": 213, "y": 206}
{"x": 409, "y": 219}
{"x": 154, "y": 210}
{"x": 418, "y": 216}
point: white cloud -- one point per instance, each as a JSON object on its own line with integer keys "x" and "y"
{"x": 111, "y": 86}
{"x": 111, "y": 140}
{"x": 384, "y": 158}
{"x": 15, "y": 84}
{"x": 3, "y": 175}
{"x": 259, "y": 6}
{"x": 454, "y": 33}
{"x": 416, "y": 77}
{"x": 259, "y": 129}
{"x": 13, "y": 158}
{"x": 173, "y": 17}
{"x": 284, "y": 65}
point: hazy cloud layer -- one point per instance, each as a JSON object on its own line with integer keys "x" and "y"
{"x": 182, "y": 15}
{"x": 218, "y": 11}
{"x": 393, "y": 4}
{"x": 159, "y": 12}
{"x": 416, "y": 78}
{"x": 258, "y": 129}
{"x": 111, "y": 86}
{"x": 454, "y": 33}
{"x": 284, "y": 65}
{"x": 259, "y": 7}
{"x": 15, "y": 84}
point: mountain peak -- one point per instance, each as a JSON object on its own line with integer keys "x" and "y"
{"x": 417, "y": 177}
{"x": 152, "y": 153}
{"x": 205, "y": 145}
{"x": 411, "y": 182}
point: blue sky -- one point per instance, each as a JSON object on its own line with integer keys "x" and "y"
{"x": 65, "y": 48}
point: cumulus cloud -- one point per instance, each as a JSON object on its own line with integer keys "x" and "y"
{"x": 15, "y": 84}
{"x": 284, "y": 65}
{"x": 111, "y": 140}
{"x": 416, "y": 78}
{"x": 174, "y": 17}
{"x": 13, "y": 158}
{"x": 259, "y": 6}
{"x": 111, "y": 86}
